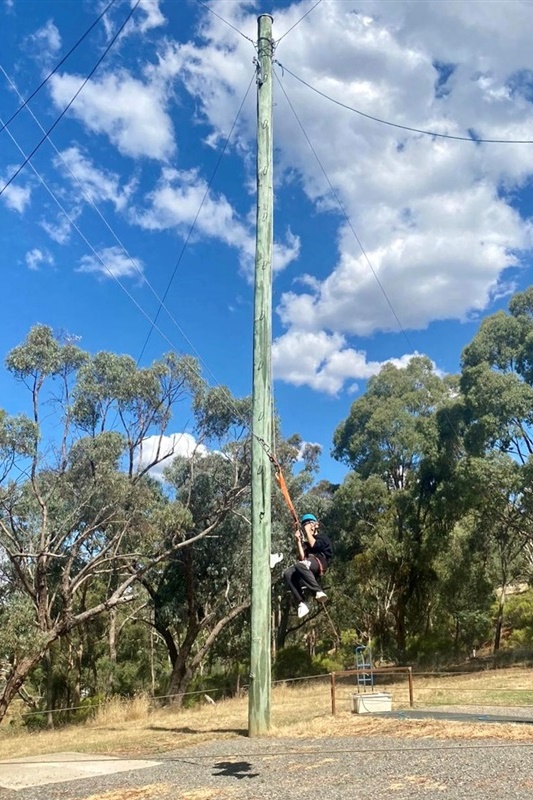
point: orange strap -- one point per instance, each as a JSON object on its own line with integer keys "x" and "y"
{"x": 285, "y": 492}
{"x": 281, "y": 482}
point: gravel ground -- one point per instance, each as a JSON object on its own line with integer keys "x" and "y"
{"x": 325, "y": 769}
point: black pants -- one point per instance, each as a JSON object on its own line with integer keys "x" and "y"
{"x": 299, "y": 576}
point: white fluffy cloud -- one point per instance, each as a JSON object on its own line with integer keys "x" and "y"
{"x": 323, "y": 361}
{"x": 111, "y": 262}
{"x": 448, "y": 264}
{"x": 167, "y": 448}
{"x": 175, "y": 202}
{"x": 97, "y": 184}
{"x": 60, "y": 229}
{"x": 131, "y": 112}
{"x": 435, "y": 218}
{"x": 153, "y": 17}
{"x": 318, "y": 359}
{"x": 36, "y": 258}
{"x": 17, "y": 198}
{"x": 47, "y": 39}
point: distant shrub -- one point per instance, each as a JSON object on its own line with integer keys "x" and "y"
{"x": 293, "y": 662}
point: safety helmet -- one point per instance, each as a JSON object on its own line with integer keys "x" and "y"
{"x": 308, "y": 518}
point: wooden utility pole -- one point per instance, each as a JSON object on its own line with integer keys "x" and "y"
{"x": 260, "y": 670}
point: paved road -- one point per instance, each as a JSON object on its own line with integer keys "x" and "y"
{"x": 347, "y": 768}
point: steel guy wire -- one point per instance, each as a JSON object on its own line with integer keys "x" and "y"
{"x": 153, "y": 326}
{"x": 229, "y": 403}
{"x": 349, "y": 223}
{"x": 434, "y": 134}
{"x": 343, "y": 212}
{"x": 195, "y": 220}
{"x": 72, "y": 222}
{"x": 208, "y": 8}
{"x": 111, "y": 230}
{"x": 84, "y": 83}
{"x": 277, "y": 41}
{"x": 60, "y": 64}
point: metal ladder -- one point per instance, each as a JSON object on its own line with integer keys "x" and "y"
{"x": 364, "y": 677}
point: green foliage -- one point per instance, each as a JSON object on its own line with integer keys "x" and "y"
{"x": 293, "y": 662}
{"x": 84, "y": 521}
{"x": 327, "y": 662}
{"x": 519, "y": 618}
{"x": 431, "y": 523}
{"x": 42, "y": 354}
{"x": 217, "y": 684}
{"x": 497, "y": 381}
{"x": 18, "y": 637}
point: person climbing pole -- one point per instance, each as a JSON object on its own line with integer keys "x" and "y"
{"x": 314, "y": 555}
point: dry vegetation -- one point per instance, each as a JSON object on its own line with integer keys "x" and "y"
{"x": 299, "y": 710}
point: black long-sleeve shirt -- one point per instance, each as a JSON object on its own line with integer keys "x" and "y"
{"x": 322, "y": 549}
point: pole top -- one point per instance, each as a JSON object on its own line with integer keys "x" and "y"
{"x": 265, "y": 15}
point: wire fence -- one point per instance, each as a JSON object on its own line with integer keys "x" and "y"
{"x": 409, "y": 689}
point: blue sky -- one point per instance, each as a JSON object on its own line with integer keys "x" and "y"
{"x": 96, "y": 229}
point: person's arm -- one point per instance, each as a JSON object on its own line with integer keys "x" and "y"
{"x": 299, "y": 545}
{"x": 311, "y": 538}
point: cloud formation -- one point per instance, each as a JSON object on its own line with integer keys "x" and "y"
{"x": 35, "y": 258}
{"x": 131, "y": 112}
{"x": 98, "y": 185}
{"x": 111, "y": 262}
{"x": 16, "y": 197}
{"x": 167, "y": 448}
{"x": 324, "y": 361}
{"x": 427, "y": 228}
{"x": 183, "y": 198}
{"x": 47, "y": 40}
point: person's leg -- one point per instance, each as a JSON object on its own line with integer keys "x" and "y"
{"x": 307, "y": 576}
{"x": 292, "y": 579}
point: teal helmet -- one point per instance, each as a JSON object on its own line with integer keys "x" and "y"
{"x": 308, "y": 518}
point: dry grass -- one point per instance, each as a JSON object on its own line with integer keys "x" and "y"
{"x": 153, "y": 792}
{"x": 298, "y": 710}
{"x": 159, "y": 791}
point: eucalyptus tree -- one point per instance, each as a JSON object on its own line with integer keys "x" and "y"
{"x": 397, "y": 508}
{"x": 199, "y": 591}
{"x": 78, "y": 508}
{"x": 503, "y": 524}
{"x": 202, "y": 594}
{"x": 497, "y": 381}
{"x": 497, "y": 385}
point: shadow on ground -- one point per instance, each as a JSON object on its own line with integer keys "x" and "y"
{"x": 200, "y": 731}
{"x": 235, "y": 769}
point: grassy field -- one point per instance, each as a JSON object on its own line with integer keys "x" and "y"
{"x": 134, "y": 728}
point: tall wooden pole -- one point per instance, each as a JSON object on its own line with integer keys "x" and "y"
{"x": 260, "y": 671}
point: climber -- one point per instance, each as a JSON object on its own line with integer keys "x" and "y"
{"x": 314, "y": 555}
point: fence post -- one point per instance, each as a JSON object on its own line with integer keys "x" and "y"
{"x": 411, "y": 697}
{"x": 333, "y": 703}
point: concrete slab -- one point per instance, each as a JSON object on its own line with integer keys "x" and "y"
{"x": 24, "y": 773}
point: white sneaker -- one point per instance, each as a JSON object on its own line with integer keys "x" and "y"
{"x": 275, "y": 558}
{"x": 303, "y": 610}
{"x": 321, "y": 597}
